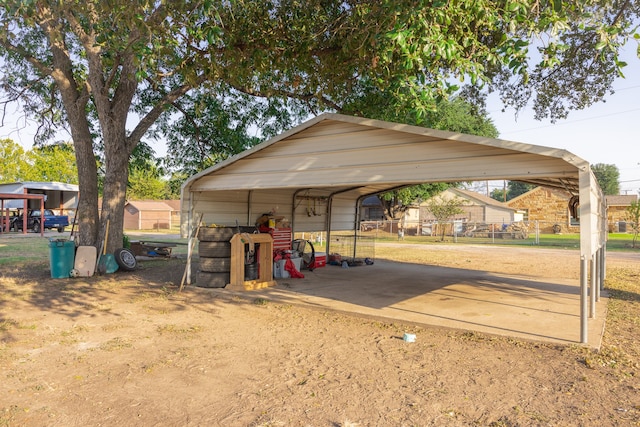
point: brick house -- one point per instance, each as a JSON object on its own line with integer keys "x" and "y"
{"x": 551, "y": 206}
{"x": 548, "y": 206}
{"x": 476, "y": 207}
{"x": 617, "y": 211}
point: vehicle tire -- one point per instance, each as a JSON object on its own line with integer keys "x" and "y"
{"x": 60, "y": 229}
{"x": 14, "y": 227}
{"x": 212, "y": 280}
{"x": 126, "y": 259}
{"x": 215, "y": 265}
{"x": 35, "y": 227}
{"x": 216, "y": 234}
{"x": 214, "y": 249}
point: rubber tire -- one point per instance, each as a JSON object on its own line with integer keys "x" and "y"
{"x": 126, "y": 259}
{"x": 214, "y": 249}
{"x": 212, "y": 280}
{"x": 60, "y": 229}
{"x": 35, "y": 227}
{"x": 215, "y": 265}
{"x": 216, "y": 234}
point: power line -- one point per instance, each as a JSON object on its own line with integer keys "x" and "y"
{"x": 573, "y": 121}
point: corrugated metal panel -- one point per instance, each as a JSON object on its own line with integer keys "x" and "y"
{"x": 313, "y": 173}
{"x": 336, "y": 152}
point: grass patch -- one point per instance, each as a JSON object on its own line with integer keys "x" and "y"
{"x": 615, "y": 242}
{"x": 17, "y": 251}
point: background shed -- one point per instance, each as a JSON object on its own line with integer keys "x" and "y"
{"x": 147, "y": 215}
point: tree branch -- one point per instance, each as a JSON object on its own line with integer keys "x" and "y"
{"x": 150, "y": 118}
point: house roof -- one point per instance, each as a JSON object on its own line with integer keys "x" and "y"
{"x": 480, "y": 198}
{"x": 558, "y": 191}
{"x": 174, "y": 204}
{"x": 621, "y": 200}
{"x": 149, "y": 205}
{"x": 14, "y": 187}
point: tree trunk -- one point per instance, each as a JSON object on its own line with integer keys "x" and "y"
{"x": 114, "y": 191}
{"x": 87, "y": 211}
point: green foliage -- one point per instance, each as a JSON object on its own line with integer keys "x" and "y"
{"x": 45, "y": 163}
{"x": 633, "y": 216}
{"x": 52, "y": 163}
{"x": 608, "y": 177}
{"x": 145, "y": 183}
{"x": 397, "y": 202}
{"x": 444, "y": 209}
{"x": 13, "y": 164}
{"x": 514, "y": 189}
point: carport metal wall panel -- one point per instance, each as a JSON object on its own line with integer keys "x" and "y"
{"x": 343, "y": 213}
{"x": 322, "y": 169}
{"x": 304, "y": 198}
{"x": 220, "y": 207}
{"x": 277, "y": 202}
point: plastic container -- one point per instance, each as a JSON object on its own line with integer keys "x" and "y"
{"x": 409, "y": 337}
{"x": 279, "y": 271}
{"x": 61, "y": 258}
{"x": 321, "y": 259}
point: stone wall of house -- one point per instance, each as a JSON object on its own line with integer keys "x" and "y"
{"x": 547, "y": 206}
{"x": 615, "y": 215}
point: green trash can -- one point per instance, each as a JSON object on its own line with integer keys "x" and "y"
{"x": 61, "y": 257}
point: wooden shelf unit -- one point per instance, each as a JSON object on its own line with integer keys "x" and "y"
{"x": 265, "y": 262}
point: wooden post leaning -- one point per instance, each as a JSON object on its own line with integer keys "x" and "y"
{"x": 265, "y": 262}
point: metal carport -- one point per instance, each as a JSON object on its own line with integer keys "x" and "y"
{"x": 337, "y": 161}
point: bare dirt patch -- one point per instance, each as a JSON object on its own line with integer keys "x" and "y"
{"x": 128, "y": 349}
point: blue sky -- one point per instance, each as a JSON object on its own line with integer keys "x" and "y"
{"x": 607, "y": 132}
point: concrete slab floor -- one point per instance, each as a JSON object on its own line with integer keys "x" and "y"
{"x": 540, "y": 310}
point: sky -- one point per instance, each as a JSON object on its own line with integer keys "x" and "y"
{"x": 607, "y": 132}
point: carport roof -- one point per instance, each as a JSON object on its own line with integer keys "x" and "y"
{"x": 356, "y": 157}
{"x": 364, "y": 156}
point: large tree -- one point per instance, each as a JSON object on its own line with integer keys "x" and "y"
{"x": 108, "y": 70}
{"x": 513, "y": 190}
{"x": 608, "y": 177}
{"x": 13, "y": 164}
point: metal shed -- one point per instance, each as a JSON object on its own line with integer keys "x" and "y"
{"x": 335, "y": 161}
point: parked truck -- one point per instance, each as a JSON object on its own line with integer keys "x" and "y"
{"x": 51, "y": 221}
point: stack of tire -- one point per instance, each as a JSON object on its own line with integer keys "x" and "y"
{"x": 214, "y": 251}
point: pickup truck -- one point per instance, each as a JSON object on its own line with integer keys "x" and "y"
{"x": 51, "y": 221}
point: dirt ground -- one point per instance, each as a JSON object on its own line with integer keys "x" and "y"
{"x": 129, "y": 349}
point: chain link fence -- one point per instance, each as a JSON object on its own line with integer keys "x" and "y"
{"x": 467, "y": 231}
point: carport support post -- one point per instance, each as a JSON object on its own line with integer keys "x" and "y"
{"x": 598, "y": 273}
{"x": 594, "y": 285}
{"x": 583, "y": 299}
{"x": 603, "y": 265}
